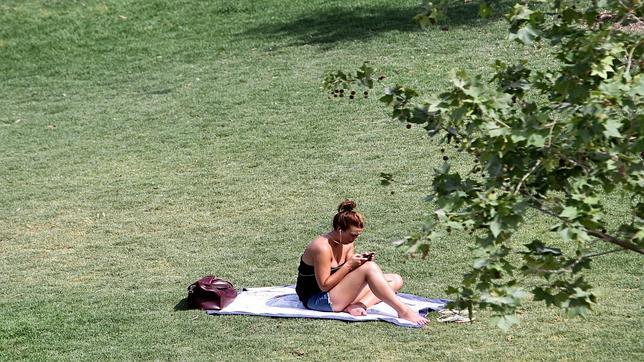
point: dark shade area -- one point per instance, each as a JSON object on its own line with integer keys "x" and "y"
{"x": 182, "y": 305}
{"x": 336, "y": 24}
{"x": 341, "y": 24}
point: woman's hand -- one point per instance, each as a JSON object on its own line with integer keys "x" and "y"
{"x": 356, "y": 260}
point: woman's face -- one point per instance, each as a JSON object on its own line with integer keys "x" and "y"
{"x": 350, "y": 235}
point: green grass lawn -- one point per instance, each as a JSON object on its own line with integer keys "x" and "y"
{"x": 144, "y": 144}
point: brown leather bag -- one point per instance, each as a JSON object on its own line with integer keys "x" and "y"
{"x": 211, "y": 292}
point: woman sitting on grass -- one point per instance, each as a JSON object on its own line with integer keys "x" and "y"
{"x": 333, "y": 278}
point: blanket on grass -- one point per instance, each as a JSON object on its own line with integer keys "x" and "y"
{"x": 283, "y": 302}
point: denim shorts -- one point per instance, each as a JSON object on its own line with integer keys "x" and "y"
{"x": 320, "y": 302}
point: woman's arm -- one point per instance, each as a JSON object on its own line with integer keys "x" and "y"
{"x": 351, "y": 252}
{"x": 322, "y": 264}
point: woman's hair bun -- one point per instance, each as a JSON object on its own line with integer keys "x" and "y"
{"x": 346, "y": 205}
{"x": 347, "y": 217}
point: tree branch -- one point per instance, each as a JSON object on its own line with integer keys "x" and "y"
{"x": 552, "y": 128}
{"x": 577, "y": 261}
{"x": 526, "y": 176}
{"x": 630, "y": 61}
{"x": 601, "y": 253}
{"x": 605, "y": 237}
{"x": 611, "y": 239}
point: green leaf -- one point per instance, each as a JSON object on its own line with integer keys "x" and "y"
{"x": 520, "y": 12}
{"x": 577, "y": 311}
{"x": 517, "y": 294}
{"x": 580, "y": 293}
{"x": 473, "y": 91}
{"x": 480, "y": 263}
{"x": 458, "y": 113}
{"x": 517, "y": 137}
{"x": 569, "y": 212}
{"x": 397, "y": 243}
{"x": 526, "y": 34}
{"x": 543, "y": 294}
{"x": 484, "y": 10}
{"x": 505, "y": 322}
{"x": 387, "y": 98}
{"x": 536, "y": 140}
{"x": 638, "y": 85}
{"x": 584, "y": 264}
{"x": 424, "y": 21}
{"x": 458, "y": 78}
{"x": 601, "y": 70}
{"x": 495, "y": 227}
{"x": 612, "y": 127}
{"x": 440, "y": 213}
{"x": 566, "y": 234}
{"x": 496, "y": 130}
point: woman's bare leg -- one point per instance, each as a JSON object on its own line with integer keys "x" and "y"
{"x": 368, "y": 299}
{"x": 369, "y": 274}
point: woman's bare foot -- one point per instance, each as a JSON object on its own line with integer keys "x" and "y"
{"x": 356, "y": 309}
{"x": 414, "y": 317}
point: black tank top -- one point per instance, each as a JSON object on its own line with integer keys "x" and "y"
{"x": 306, "y": 284}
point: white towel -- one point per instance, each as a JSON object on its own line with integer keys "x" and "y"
{"x": 283, "y": 302}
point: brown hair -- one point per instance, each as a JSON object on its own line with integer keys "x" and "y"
{"x": 346, "y": 217}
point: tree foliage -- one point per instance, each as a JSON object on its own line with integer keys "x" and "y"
{"x": 555, "y": 141}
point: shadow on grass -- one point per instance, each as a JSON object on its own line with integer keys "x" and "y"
{"x": 183, "y": 305}
{"x": 333, "y": 25}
